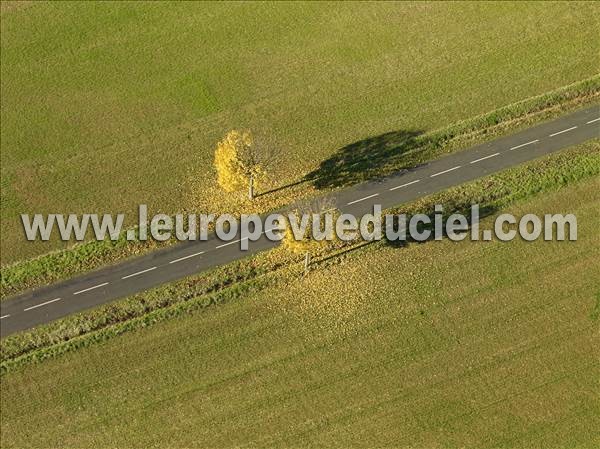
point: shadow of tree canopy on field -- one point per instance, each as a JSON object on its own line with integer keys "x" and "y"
{"x": 365, "y": 159}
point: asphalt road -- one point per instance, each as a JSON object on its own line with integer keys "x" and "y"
{"x": 107, "y": 284}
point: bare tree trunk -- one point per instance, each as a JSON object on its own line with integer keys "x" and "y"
{"x": 251, "y": 188}
{"x": 306, "y": 262}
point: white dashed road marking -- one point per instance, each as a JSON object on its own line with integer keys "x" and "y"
{"x": 362, "y": 199}
{"x": 445, "y": 171}
{"x": 593, "y": 121}
{"x": 91, "y": 288}
{"x": 404, "y": 185}
{"x": 186, "y": 257}
{"x": 230, "y": 243}
{"x": 524, "y": 144}
{"x": 138, "y": 273}
{"x": 40, "y": 305}
{"x": 4, "y": 316}
{"x": 484, "y": 158}
{"x": 563, "y": 131}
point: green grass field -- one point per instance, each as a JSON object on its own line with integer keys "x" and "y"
{"x": 441, "y": 344}
{"x": 390, "y": 347}
{"x": 105, "y": 106}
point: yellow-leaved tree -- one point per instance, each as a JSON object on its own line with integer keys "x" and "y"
{"x": 305, "y": 215}
{"x": 237, "y": 162}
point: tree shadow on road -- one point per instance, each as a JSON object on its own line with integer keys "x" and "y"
{"x": 484, "y": 211}
{"x": 366, "y": 159}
